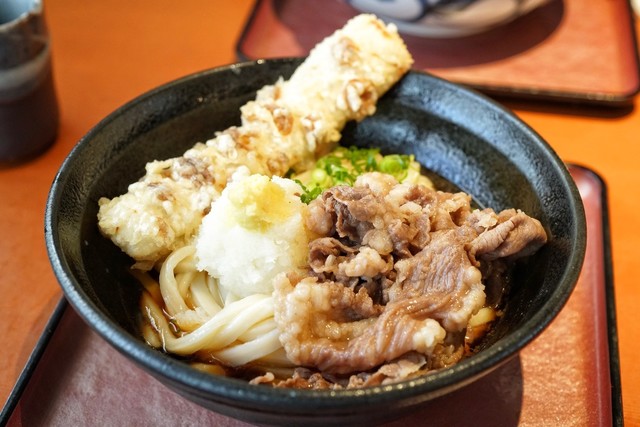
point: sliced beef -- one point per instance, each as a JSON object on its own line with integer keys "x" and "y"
{"x": 516, "y": 235}
{"x": 395, "y": 271}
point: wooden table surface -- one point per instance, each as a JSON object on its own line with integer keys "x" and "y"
{"x": 107, "y": 52}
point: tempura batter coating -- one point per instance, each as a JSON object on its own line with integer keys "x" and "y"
{"x": 287, "y": 126}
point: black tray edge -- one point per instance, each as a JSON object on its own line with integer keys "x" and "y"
{"x": 32, "y": 361}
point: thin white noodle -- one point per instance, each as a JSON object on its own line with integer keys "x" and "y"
{"x": 184, "y": 281}
{"x": 214, "y": 289}
{"x": 155, "y": 319}
{"x": 201, "y": 295}
{"x": 237, "y": 332}
{"x": 186, "y": 265}
{"x": 246, "y": 352}
{"x": 173, "y": 300}
{"x": 258, "y": 330}
{"x": 238, "y": 320}
{"x": 150, "y": 335}
{"x": 218, "y": 332}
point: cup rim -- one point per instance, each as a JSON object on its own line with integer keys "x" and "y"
{"x": 35, "y": 9}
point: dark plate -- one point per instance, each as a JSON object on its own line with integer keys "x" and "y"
{"x": 458, "y": 134}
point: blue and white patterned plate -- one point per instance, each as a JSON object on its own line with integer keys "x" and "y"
{"x": 447, "y": 18}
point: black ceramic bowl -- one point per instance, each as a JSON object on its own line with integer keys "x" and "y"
{"x": 463, "y": 137}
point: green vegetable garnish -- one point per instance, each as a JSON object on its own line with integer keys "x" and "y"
{"x": 309, "y": 194}
{"x": 343, "y": 165}
{"x": 396, "y": 165}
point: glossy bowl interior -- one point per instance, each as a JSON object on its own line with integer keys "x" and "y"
{"x": 463, "y": 137}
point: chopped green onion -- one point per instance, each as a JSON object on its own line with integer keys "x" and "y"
{"x": 343, "y": 166}
{"x": 396, "y": 165}
{"x": 309, "y": 193}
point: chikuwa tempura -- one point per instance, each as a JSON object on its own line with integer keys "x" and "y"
{"x": 273, "y": 254}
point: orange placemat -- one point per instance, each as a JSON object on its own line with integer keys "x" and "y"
{"x": 569, "y": 375}
{"x": 568, "y": 50}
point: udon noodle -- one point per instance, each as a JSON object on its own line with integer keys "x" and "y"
{"x": 187, "y": 314}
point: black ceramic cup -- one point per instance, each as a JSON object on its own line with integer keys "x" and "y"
{"x": 28, "y": 104}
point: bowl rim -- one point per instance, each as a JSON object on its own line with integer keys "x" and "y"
{"x": 228, "y": 391}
